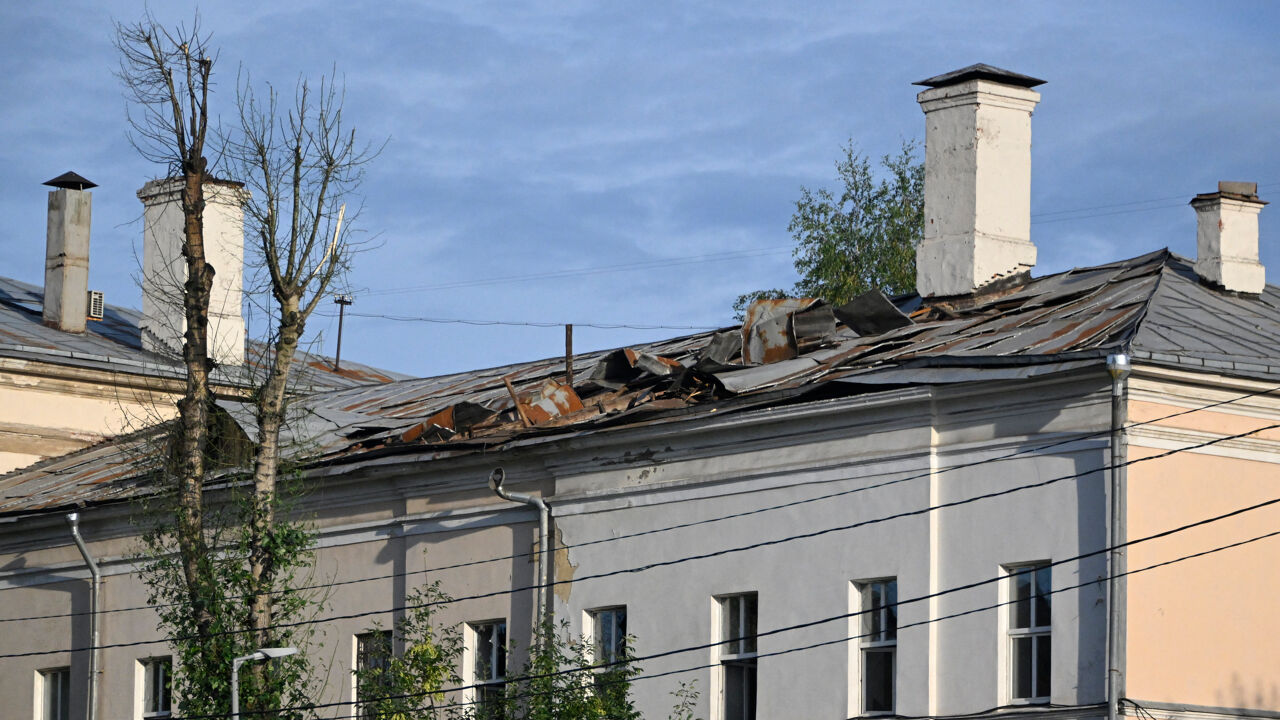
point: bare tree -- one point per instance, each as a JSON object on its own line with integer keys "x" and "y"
{"x": 300, "y": 166}
{"x": 167, "y": 73}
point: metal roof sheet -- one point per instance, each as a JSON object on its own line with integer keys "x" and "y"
{"x": 1153, "y": 306}
{"x": 115, "y": 343}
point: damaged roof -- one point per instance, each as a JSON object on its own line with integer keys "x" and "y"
{"x": 115, "y": 343}
{"x": 1153, "y": 307}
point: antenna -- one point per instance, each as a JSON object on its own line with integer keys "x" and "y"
{"x": 342, "y": 301}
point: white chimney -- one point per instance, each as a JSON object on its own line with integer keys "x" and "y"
{"x": 1227, "y": 237}
{"x": 66, "y": 255}
{"x": 977, "y": 179}
{"x": 164, "y": 269}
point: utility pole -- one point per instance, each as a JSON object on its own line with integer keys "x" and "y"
{"x": 342, "y": 301}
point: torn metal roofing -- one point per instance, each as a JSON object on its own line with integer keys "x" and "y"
{"x": 1154, "y": 307}
{"x": 115, "y": 344}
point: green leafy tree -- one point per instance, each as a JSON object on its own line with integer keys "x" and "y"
{"x": 858, "y": 238}
{"x": 410, "y": 684}
{"x": 558, "y": 682}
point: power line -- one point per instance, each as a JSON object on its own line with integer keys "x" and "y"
{"x": 518, "y": 323}
{"x": 743, "y": 254}
{"x": 601, "y": 269}
{"x": 845, "y": 616}
{"x": 700, "y": 556}
{"x": 1075, "y": 438}
{"x": 1128, "y": 204}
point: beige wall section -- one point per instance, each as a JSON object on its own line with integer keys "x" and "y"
{"x": 57, "y": 410}
{"x": 1202, "y": 631}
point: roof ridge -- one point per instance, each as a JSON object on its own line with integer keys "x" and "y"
{"x": 1126, "y": 344}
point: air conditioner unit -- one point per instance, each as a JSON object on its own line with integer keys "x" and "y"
{"x": 96, "y": 305}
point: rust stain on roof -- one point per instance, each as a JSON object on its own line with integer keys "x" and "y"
{"x": 784, "y": 348}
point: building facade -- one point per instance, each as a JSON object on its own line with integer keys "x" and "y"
{"x": 1004, "y": 494}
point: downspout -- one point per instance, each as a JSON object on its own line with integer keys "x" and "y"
{"x": 1118, "y": 367}
{"x": 73, "y": 519}
{"x": 544, "y": 560}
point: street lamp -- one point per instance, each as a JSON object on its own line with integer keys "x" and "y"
{"x": 263, "y": 654}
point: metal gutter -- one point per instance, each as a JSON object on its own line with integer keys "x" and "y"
{"x": 1118, "y": 366}
{"x": 544, "y": 564}
{"x": 73, "y": 519}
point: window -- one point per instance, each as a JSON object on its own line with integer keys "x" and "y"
{"x": 373, "y": 657}
{"x": 489, "y": 664}
{"x": 55, "y": 693}
{"x": 879, "y": 643}
{"x": 1029, "y": 635}
{"x": 609, "y": 630}
{"x": 156, "y": 687}
{"x": 738, "y": 656}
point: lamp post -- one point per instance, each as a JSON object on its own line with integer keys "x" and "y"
{"x": 263, "y": 654}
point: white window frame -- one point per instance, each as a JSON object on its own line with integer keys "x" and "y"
{"x": 496, "y": 681}
{"x": 605, "y": 627}
{"x": 1038, "y": 630}
{"x": 145, "y": 683}
{"x": 881, "y": 641}
{"x": 357, "y": 657}
{"x": 43, "y": 677}
{"x": 738, "y": 646}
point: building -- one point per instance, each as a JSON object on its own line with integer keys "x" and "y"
{"x": 936, "y": 505}
{"x": 80, "y": 370}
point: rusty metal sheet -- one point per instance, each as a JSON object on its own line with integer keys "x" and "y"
{"x": 766, "y": 336}
{"x": 871, "y": 313}
{"x": 553, "y": 400}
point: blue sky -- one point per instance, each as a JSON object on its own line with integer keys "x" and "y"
{"x": 671, "y": 139}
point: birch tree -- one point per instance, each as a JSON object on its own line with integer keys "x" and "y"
{"x": 300, "y": 165}
{"x": 225, "y": 575}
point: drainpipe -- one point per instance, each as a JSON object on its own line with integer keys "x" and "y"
{"x": 544, "y": 552}
{"x": 1118, "y": 367}
{"x": 73, "y": 519}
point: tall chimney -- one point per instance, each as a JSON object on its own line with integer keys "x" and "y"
{"x": 164, "y": 269}
{"x": 1227, "y": 237}
{"x": 66, "y": 254}
{"x": 977, "y": 179}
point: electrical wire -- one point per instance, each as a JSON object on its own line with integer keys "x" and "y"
{"x": 1075, "y": 438}
{"x": 520, "y": 323}
{"x": 836, "y": 618}
{"x": 687, "y": 558}
{"x": 601, "y": 269}
{"x": 741, "y": 254}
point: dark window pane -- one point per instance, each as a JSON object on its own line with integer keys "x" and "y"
{"x": 749, "y": 642}
{"x": 732, "y": 626}
{"x": 877, "y": 680}
{"x": 874, "y": 617}
{"x": 1021, "y": 662}
{"x": 1043, "y": 583}
{"x": 1021, "y": 598}
{"x": 500, "y": 631}
{"x": 740, "y": 690}
{"x": 1043, "y": 655}
{"x": 891, "y": 610}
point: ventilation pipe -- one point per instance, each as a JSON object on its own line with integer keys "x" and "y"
{"x": 977, "y": 179}
{"x": 543, "y": 565}
{"x": 73, "y": 519}
{"x": 164, "y": 268}
{"x": 1118, "y": 367}
{"x": 66, "y": 255}
{"x": 1227, "y": 237}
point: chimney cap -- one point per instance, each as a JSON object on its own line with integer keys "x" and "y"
{"x": 71, "y": 181}
{"x": 1242, "y": 191}
{"x": 981, "y": 71}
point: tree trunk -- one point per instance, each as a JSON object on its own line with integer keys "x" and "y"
{"x": 194, "y": 406}
{"x": 271, "y": 413}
